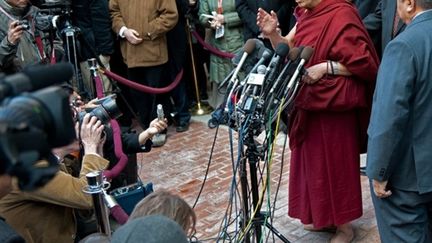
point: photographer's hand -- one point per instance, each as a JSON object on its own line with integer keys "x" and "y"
{"x": 91, "y": 134}
{"x": 15, "y": 32}
{"x": 156, "y": 126}
{"x": 131, "y": 35}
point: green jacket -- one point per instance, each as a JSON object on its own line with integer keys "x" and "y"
{"x": 232, "y": 40}
{"x": 14, "y": 57}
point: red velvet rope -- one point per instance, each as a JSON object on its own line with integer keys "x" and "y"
{"x": 212, "y": 49}
{"x": 141, "y": 87}
{"x": 118, "y": 146}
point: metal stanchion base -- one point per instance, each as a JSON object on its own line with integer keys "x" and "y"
{"x": 201, "y": 109}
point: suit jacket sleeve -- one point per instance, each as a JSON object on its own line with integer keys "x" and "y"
{"x": 116, "y": 17}
{"x": 373, "y": 21}
{"x": 102, "y": 27}
{"x": 66, "y": 190}
{"x": 390, "y": 109}
{"x": 285, "y": 17}
{"x": 247, "y": 16}
{"x": 165, "y": 21}
{"x": 131, "y": 143}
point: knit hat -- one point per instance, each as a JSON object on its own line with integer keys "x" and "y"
{"x": 150, "y": 229}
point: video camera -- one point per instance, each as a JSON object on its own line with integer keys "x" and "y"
{"x": 54, "y": 15}
{"x": 31, "y": 124}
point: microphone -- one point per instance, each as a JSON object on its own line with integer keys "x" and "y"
{"x": 239, "y": 62}
{"x": 281, "y": 51}
{"x": 160, "y": 112}
{"x": 292, "y": 55}
{"x": 34, "y": 78}
{"x": 293, "y": 84}
{"x": 304, "y": 57}
{"x": 257, "y": 80}
{"x": 277, "y": 87}
{"x": 248, "y": 48}
{"x": 264, "y": 55}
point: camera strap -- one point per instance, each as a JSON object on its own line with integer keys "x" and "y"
{"x": 7, "y": 14}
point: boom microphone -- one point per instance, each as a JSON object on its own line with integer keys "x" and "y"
{"x": 34, "y": 78}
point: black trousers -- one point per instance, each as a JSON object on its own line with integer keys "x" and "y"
{"x": 145, "y": 103}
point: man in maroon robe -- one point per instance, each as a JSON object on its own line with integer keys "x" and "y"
{"x": 328, "y": 123}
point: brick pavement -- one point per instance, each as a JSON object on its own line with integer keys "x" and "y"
{"x": 179, "y": 166}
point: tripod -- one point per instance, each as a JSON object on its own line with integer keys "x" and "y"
{"x": 253, "y": 154}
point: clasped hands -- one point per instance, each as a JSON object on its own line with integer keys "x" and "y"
{"x": 217, "y": 21}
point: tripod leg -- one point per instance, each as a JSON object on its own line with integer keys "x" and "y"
{"x": 276, "y": 232}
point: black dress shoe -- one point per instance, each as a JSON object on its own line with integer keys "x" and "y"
{"x": 182, "y": 127}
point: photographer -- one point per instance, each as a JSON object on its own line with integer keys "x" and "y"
{"x": 132, "y": 142}
{"x": 47, "y": 214}
{"x": 20, "y": 43}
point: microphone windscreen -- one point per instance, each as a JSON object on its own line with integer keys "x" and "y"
{"x": 294, "y": 53}
{"x": 42, "y": 76}
{"x": 249, "y": 46}
{"x": 259, "y": 44}
{"x": 282, "y": 49}
{"x": 265, "y": 53}
{"x": 261, "y": 69}
{"x": 307, "y": 53}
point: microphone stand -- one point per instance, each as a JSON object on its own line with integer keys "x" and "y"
{"x": 253, "y": 154}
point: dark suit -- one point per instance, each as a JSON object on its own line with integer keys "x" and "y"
{"x": 380, "y": 24}
{"x": 365, "y": 7}
{"x": 247, "y": 10}
{"x": 400, "y": 134}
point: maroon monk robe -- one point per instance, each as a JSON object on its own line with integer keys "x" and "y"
{"x": 329, "y": 120}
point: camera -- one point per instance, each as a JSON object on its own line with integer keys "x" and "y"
{"x": 32, "y": 123}
{"x": 24, "y": 24}
{"x": 106, "y": 110}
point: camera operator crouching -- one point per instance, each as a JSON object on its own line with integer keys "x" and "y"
{"x": 48, "y": 214}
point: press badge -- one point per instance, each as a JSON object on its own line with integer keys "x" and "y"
{"x": 219, "y": 32}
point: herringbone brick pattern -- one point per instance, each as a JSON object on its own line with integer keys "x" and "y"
{"x": 179, "y": 166}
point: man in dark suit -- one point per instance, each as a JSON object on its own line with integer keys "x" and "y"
{"x": 383, "y": 24}
{"x": 400, "y": 134}
{"x": 365, "y": 7}
{"x": 247, "y": 10}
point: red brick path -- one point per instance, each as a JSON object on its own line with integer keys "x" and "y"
{"x": 179, "y": 166}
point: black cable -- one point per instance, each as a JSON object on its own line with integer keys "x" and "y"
{"x": 208, "y": 167}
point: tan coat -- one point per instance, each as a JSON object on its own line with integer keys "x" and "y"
{"x": 151, "y": 19}
{"x": 46, "y": 215}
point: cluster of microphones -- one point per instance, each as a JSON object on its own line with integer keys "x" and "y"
{"x": 271, "y": 83}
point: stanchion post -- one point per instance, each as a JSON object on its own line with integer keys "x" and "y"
{"x": 200, "y": 109}
{"x": 95, "y": 189}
